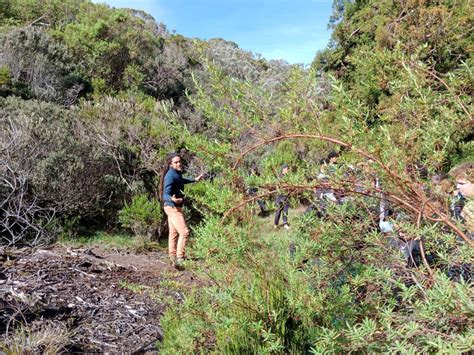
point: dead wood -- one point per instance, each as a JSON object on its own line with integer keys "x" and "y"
{"x": 84, "y": 292}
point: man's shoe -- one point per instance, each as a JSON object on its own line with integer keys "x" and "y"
{"x": 286, "y": 226}
{"x": 179, "y": 264}
{"x": 173, "y": 260}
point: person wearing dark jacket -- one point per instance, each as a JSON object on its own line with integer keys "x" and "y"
{"x": 282, "y": 203}
{"x": 172, "y": 194}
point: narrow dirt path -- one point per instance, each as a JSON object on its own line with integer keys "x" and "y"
{"x": 102, "y": 300}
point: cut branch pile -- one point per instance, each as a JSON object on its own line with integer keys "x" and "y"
{"x": 82, "y": 291}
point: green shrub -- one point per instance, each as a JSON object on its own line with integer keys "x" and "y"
{"x": 143, "y": 216}
{"x": 343, "y": 290}
{"x": 5, "y": 76}
{"x": 50, "y": 168}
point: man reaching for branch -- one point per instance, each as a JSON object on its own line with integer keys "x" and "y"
{"x": 171, "y": 192}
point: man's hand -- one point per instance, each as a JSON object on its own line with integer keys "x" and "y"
{"x": 176, "y": 200}
{"x": 200, "y": 177}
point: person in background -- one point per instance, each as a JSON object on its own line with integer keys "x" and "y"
{"x": 396, "y": 238}
{"x": 282, "y": 202}
{"x": 252, "y": 191}
{"x": 464, "y": 192}
{"x": 171, "y": 191}
{"x": 328, "y": 164}
{"x": 441, "y": 184}
{"x": 325, "y": 194}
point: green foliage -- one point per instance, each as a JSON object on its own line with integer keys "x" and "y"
{"x": 220, "y": 242}
{"x": 212, "y": 198}
{"x": 137, "y": 141}
{"x": 341, "y": 291}
{"x": 246, "y": 66}
{"x": 48, "y": 147}
{"x": 103, "y": 239}
{"x": 142, "y": 215}
{"x": 136, "y": 288}
{"x": 465, "y": 153}
{"x": 284, "y": 153}
{"x": 401, "y": 74}
{"x": 44, "y": 12}
{"x": 36, "y": 62}
{"x": 4, "y": 76}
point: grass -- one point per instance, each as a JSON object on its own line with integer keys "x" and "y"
{"x": 135, "y": 288}
{"x": 159, "y": 296}
{"x": 266, "y": 223}
{"x": 173, "y": 285}
{"x": 45, "y": 338}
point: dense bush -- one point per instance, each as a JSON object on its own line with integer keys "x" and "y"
{"x": 78, "y": 163}
{"x": 142, "y": 216}
{"x": 332, "y": 285}
{"x": 398, "y": 72}
{"x": 39, "y": 66}
{"x": 49, "y": 163}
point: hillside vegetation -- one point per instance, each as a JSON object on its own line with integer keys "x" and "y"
{"x": 93, "y": 98}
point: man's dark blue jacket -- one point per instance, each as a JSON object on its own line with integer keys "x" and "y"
{"x": 173, "y": 184}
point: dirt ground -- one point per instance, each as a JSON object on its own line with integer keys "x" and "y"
{"x": 105, "y": 301}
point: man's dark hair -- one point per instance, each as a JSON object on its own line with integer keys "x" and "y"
{"x": 332, "y": 154}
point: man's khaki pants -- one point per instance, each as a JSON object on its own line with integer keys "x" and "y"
{"x": 179, "y": 232}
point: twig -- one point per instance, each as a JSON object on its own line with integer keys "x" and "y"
{"x": 103, "y": 343}
{"x": 85, "y": 273}
{"x": 422, "y": 249}
{"x": 37, "y": 20}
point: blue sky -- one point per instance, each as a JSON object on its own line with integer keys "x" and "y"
{"x": 292, "y": 30}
